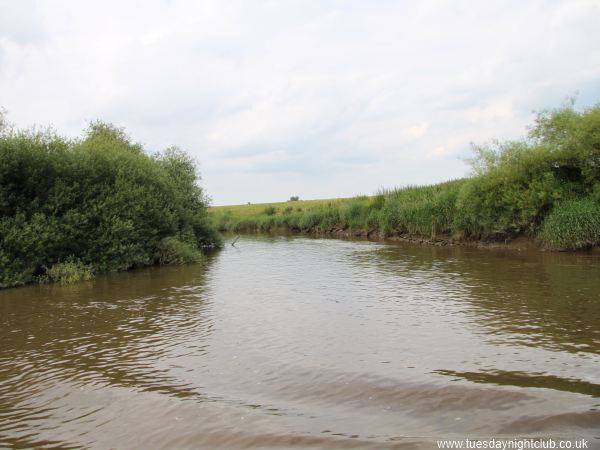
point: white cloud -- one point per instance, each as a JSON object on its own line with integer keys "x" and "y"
{"x": 310, "y": 98}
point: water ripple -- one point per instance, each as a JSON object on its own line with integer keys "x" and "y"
{"x": 308, "y": 343}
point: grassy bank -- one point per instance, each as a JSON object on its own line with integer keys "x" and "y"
{"x": 545, "y": 187}
{"x": 72, "y": 208}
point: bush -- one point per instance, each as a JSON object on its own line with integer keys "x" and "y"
{"x": 100, "y": 200}
{"x": 572, "y": 224}
{"x": 517, "y": 184}
{"x": 171, "y": 250}
{"x": 68, "y": 272}
{"x": 270, "y": 211}
{"x": 511, "y": 196}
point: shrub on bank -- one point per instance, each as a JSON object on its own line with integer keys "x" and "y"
{"x": 171, "y": 250}
{"x": 99, "y": 202}
{"x": 517, "y": 184}
{"x": 507, "y": 201}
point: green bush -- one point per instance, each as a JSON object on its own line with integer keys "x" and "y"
{"x": 171, "y": 250}
{"x": 572, "y": 224}
{"x": 511, "y": 196}
{"x": 100, "y": 200}
{"x": 517, "y": 184}
{"x": 270, "y": 211}
{"x": 68, "y": 272}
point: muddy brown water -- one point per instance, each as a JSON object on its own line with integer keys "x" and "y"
{"x": 292, "y": 342}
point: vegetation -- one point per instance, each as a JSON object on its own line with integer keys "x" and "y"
{"x": 573, "y": 224}
{"x": 546, "y": 187}
{"x": 72, "y": 208}
{"x": 70, "y": 271}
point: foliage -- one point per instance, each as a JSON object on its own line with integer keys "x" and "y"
{"x": 3, "y": 122}
{"x": 270, "y": 211}
{"x": 518, "y": 183}
{"x": 511, "y": 197}
{"x": 423, "y": 211}
{"x": 294, "y": 198}
{"x": 68, "y": 272}
{"x": 171, "y": 250}
{"x": 100, "y": 200}
{"x": 572, "y": 224}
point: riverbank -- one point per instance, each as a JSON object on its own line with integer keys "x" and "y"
{"x": 517, "y": 244}
{"x": 345, "y": 218}
{"x": 544, "y": 190}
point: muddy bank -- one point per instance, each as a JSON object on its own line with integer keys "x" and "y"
{"x": 441, "y": 240}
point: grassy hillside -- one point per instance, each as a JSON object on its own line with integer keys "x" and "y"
{"x": 255, "y": 209}
{"x": 546, "y": 187}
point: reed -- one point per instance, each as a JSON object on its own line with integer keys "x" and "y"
{"x": 572, "y": 224}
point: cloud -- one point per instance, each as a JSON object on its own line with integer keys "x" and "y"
{"x": 310, "y": 98}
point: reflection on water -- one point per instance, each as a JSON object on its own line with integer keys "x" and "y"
{"x": 307, "y": 343}
{"x": 525, "y": 379}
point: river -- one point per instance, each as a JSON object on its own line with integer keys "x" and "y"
{"x": 296, "y": 342}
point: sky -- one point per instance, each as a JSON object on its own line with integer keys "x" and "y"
{"x": 318, "y": 99}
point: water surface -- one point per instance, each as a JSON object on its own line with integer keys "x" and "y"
{"x": 290, "y": 342}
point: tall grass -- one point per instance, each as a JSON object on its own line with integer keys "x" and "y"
{"x": 423, "y": 211}
{"x": 572, "y": 224}
{"x": 415, "y": 210}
